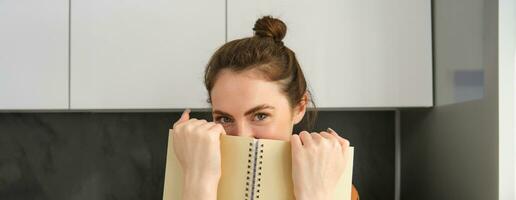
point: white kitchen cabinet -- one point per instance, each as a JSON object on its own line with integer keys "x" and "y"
{"x": 33, "y": 54}
{"x": 355, "y": 54}
{"x": 131, "y": 54}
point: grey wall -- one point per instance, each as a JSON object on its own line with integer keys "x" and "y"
{"x": 75, "y": 156}
{"x": 451, "y": 151}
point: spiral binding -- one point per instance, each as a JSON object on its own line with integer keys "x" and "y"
{"x": 249, "y": 175}
{"x": 254, "y": 171}
{"x": 258, "y": 166}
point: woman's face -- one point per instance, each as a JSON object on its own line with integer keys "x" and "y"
{"x": 248, "y": 105}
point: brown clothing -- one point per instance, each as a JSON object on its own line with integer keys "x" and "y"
{"x": 354, "y": 193}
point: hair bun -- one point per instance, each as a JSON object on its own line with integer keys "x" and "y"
{"x": 268, "y": 26}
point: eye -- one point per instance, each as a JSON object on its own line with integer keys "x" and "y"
{"x": 260, "y": 116}
{"x": 223, "y": 120}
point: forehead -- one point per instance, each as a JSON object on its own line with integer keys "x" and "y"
{"x": 243, "y": 90}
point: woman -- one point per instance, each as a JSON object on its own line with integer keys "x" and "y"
{"x": 257, "y": 89}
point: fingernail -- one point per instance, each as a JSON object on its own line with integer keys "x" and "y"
{"x": 331, "y": 130}
{"x": 188, "y": 110}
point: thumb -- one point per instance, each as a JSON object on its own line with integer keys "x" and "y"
{"x": 184, "y": 117}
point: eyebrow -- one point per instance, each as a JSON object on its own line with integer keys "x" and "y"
{"x": 252, "y": 110}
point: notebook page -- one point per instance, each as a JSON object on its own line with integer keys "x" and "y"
{"x": 235, "y": 156}
{"x": 276, "y": 173}
{"x": 344, "y": 185}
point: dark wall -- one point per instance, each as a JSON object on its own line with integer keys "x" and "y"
{"x": 75, "y": 156}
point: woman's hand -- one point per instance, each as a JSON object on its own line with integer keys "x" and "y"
{"x": 318, "y": 161}
{"x": 197, "y": 147}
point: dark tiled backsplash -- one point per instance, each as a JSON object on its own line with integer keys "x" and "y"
{"x": 76, "y": 156}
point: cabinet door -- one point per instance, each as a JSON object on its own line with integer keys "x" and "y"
{"x": 365, "y": 54}
{"x": 132, "y": 54}
{"x": 33, "y": 54}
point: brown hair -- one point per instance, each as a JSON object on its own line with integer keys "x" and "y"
{"x": 266, "y": 53}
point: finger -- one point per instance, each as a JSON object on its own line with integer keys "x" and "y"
{"x": 306, "y": 139}
{"x": 295, "y": 142}
{"x": 223, "y": 130}
{"x": 342, "y": 141}
{"x": 217, "y": 128}
{"x": 207, "y": 126}
{"x": 197, "y": 123}
{"x": 184, "y": 117}
{"x": 327, "y": 135}
{"x": 186, "y": 124}
{"x": 316, "y": 137}
{"x": 334, "y": 140}
{"x": 221, "y": 127}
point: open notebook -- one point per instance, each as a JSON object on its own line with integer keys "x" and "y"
{"x": 251, "y": 169}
